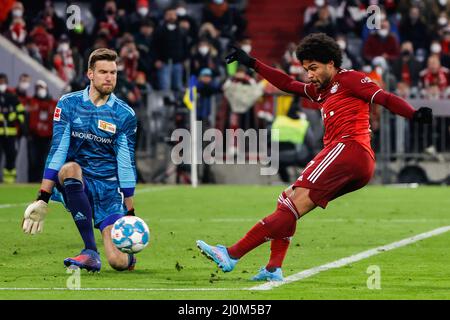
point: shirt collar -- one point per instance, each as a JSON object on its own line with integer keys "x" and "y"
{"x": 87, "y": 100}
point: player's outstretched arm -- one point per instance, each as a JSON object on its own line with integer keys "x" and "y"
{"x": 276, "y": 77}
{"x": 364, "y": 88}
{"x": 399, "y": 106}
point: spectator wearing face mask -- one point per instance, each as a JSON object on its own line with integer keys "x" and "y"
{"x": 289, "y": 58}
{"x": 368, "y": 29}
{"x": 17, "y": 32}
{"x": 54, "y": 24}
{"x": 436, "y": 13}
{"x": 143, "y": 12}
{"x": 128, "y": 90}
{"x": 108, "y": 23}
{"x": 380, "y": 67}
{"x": 412, "y": 28}
{"x": 99, "y": 41}
{"x": 242, "y": 92}
{"x": 435, "y": 74}
{"x": 321, "y": 21}
{"x": 22, "y": 90}
{"x": 441, "y": 23}
{"x": 445, "y": 45}
{"x": 187, "y": 20}
{"x": 186, "y": 28}
{"x": 129, "y": 55}
{"x": 245, "y": 43}
{"x": 436, "y": 49}
{"x": 144, "y": 43}
{"x": 11, "y": 11}
{"x": 205, "y": 56}
{"x": 381, "y": 43}
{"x": 349, "y": 61}
{"x": 40, "y": 129}
{"x": 350, "y": 17}
{"x": 406, "y": 68}
{"x": 44, "y": 41}
{"x": 210, "y": 33}
{"x": 63, "y": 60}
{"x": 171, "y": 51}
{"x": 12, "y": 119}
{"x": 32, "y": 50}
{"x": 228, "y": 20}
{"x": 314, "y": 9}
{"x": 206, "y": 88}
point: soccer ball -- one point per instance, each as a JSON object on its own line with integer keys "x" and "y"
{"x": 130, "y": 234}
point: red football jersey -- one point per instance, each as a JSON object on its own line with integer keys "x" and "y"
{"x": 345, "y": 106}
{"x": 344, "y": 102}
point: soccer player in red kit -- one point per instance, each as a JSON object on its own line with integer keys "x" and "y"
{"x": 345, "y": 164}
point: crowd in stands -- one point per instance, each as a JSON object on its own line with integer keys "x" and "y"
{"x": 161, "y": 42}
{"x": 409, "y": 39}
{"x": 404, "y": 48}
{"x": 158, "y": 42}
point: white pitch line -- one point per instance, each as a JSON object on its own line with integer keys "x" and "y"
{"x": 153, "y": 189}
{"x": 270, "y": 285}
{"x": 11, "y": 205}
{"x": 351, "y": 259}
{"x": 138, "y": 191}
{"x": 122, "y": 289}
{"x": 376, "y": 220}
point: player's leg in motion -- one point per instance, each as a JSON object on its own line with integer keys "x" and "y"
{"x": 278, "y": 227}
{"x": 278, "y": 250}
{"x": 118, "y": 260}
{"x": 71, "y": 179}
{"x": 299, "y": 203}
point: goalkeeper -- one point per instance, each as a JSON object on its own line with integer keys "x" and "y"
{"x": 91, "y": 165}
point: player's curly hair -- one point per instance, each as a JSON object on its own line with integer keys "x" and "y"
{"x": 319, "y": 47}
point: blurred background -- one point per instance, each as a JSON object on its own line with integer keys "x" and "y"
{"x": 162, "y": 43}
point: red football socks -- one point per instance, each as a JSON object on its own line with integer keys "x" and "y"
{"x": 255, "y": 237}
{"x": 279, "y": 225}
{"x": 278, "y": 250}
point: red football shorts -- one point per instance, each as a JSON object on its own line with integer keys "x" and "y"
{"x": 340, "y": 168}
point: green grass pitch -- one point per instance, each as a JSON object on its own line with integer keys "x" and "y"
{"x": 171, "y": 267}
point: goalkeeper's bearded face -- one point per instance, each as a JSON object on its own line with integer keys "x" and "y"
{"x": 104, "y": 76}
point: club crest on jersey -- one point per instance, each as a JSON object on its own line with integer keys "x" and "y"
{"x": 366, "y": 80}
{"x": 106, "y": 126}
{"x": 57, "y": 114}
{"x": 334, "y": 88}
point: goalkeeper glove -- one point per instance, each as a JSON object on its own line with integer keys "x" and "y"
{"x": 33, "y": 220}
{"x": 130, "y": 212}
{"x": 423, "y": 115}
{"x": 242, "y": 57}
